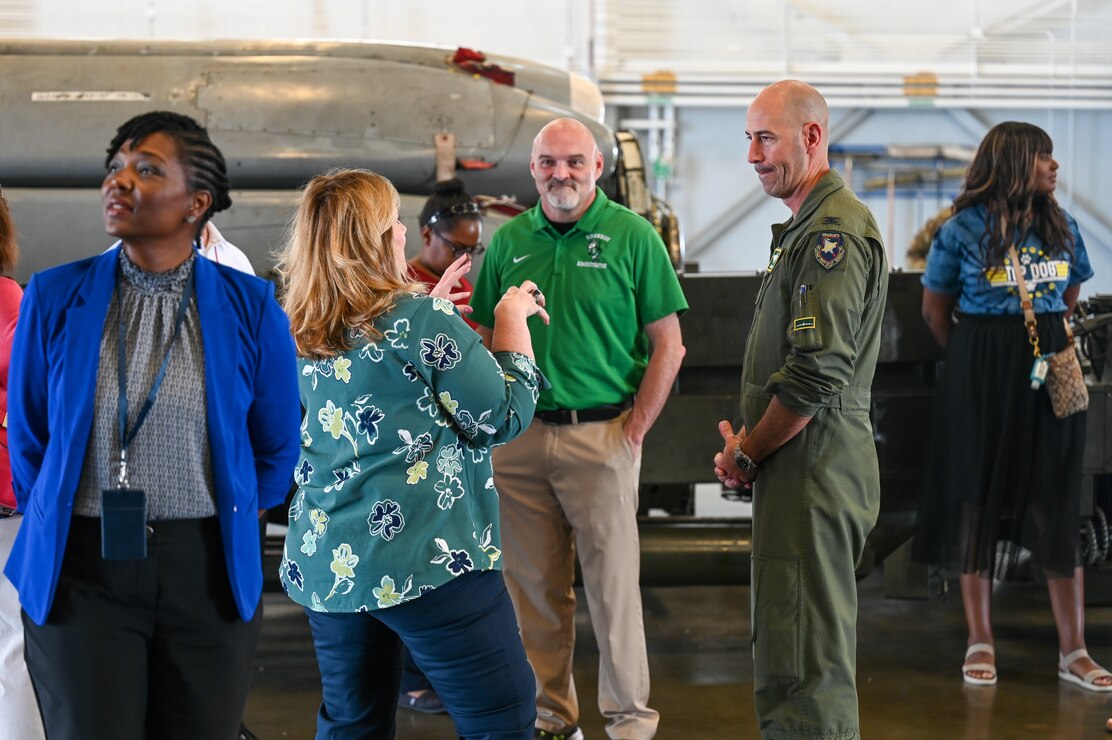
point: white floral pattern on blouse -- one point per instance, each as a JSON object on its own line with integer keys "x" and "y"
{"x": 396, "y": 490}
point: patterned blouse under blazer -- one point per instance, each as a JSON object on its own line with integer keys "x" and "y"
{"x": 396, "y": 491}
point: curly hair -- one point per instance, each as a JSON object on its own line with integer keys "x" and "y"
{"x": 339, "y": 269}
{"x": 1002, "y": 178}
{"x": 205, "y": 168}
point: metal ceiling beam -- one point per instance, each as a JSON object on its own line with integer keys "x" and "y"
{"x": 834, "y": 25}
{"x": 974, "y": 123}
{"x": 1036, "y": 12}
{"x": 1084, "y": 209}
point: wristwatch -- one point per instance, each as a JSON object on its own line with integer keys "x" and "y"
{"x": 744, "y": 463}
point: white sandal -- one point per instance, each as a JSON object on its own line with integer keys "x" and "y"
{"x": 1088, "y": 681}
{"x": 979, "y": 647}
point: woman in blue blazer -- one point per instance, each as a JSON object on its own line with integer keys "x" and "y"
{"x": 153, "y": 416}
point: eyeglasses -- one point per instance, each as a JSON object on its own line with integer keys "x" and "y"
{"x": 457, "y": 249}
{"x": 470, "y": 208}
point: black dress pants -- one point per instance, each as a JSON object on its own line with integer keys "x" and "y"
{"x": 138, "y": 649}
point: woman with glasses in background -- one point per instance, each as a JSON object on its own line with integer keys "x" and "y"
{"x": 451, "y": 231}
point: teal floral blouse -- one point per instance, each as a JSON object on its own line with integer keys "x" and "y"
{"x": 395, "y": 491}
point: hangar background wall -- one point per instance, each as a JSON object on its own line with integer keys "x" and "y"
{"x": 682, "y": 71}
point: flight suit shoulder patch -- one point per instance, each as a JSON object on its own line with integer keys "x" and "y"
{"x": 831, "y": 249}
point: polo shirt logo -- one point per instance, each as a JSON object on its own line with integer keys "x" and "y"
{"x": 595, "y": 243}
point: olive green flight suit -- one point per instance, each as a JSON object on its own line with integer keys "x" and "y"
{"x": 814, "y": 345}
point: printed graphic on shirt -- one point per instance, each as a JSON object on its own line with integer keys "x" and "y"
{"x": 831, "y": 249}
{"x": 595, "y": 244}
{"x": 1043, "y": 275}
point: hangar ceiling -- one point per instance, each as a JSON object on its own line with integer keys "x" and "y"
{"x": 945, "y": 53}
{"x": 714, "y": 52}
{"x": 874, "y": 53}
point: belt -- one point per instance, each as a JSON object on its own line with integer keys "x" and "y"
{"x": 582, "y": 416}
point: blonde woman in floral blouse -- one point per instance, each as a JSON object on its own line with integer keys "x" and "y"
{"x": 394, "y": 531}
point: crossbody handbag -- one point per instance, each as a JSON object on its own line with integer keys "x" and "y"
{"x": 1064, "y": 380}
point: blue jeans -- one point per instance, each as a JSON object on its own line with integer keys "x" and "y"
{"x": 464, "y": 637}
{"x": 412, "y": 678}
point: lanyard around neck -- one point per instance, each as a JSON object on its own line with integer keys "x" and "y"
{"x": 127, "y": 437}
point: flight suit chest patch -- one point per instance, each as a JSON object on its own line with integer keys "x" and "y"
{"x": 831, "y": 249}
{"x": 774, "y": 258}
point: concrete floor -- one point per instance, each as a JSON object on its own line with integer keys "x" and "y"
{"x": 908, "y": 670}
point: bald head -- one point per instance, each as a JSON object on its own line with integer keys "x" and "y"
{"x": 796, "y": 104}
{"x": 565, "y": 164}
{"x": 565, "y": 129}
{"x": 787, "y": 125}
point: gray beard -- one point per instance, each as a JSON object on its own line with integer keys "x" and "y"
{"x": 560, "y": 202}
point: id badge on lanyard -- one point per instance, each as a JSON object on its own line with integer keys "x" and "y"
{"x": 123, "y": 509}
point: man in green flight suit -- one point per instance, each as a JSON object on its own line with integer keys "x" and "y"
{"x": 806, "y": 444}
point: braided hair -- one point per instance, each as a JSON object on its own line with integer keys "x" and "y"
{"x": 204, "y": 165}
{"x": 448, "y": 205}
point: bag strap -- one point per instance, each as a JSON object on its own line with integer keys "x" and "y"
{"x": 1026, "y": 303}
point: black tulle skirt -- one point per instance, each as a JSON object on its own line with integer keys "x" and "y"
{"x": 1003, "y": 478}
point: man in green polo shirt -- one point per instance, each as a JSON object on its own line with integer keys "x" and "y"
{"x": 806, "y": 378}
{"x": 569, "y": 483}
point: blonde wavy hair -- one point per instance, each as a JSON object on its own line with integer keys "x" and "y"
{"x": 338, "y": 266}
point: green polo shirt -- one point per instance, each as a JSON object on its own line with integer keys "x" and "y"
{"x": 603, "y": 282}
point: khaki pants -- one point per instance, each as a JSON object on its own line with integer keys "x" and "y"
{"x": 567, "y": 489}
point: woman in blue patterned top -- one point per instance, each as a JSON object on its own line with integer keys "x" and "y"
{"x": 1003, "y": 469}
{"x": 394, "y": 529}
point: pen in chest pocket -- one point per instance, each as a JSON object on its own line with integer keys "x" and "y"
{"x": 803, "y": 290}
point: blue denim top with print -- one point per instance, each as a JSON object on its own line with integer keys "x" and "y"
{"x": 954, "y": 265}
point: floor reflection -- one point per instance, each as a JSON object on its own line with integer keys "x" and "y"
{"x": 909, "y": 677}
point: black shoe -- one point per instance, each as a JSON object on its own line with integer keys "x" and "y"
{"x": 568, "y": 733}
{"x": 428, "y": 702}
{"x": 245, "y": 734}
